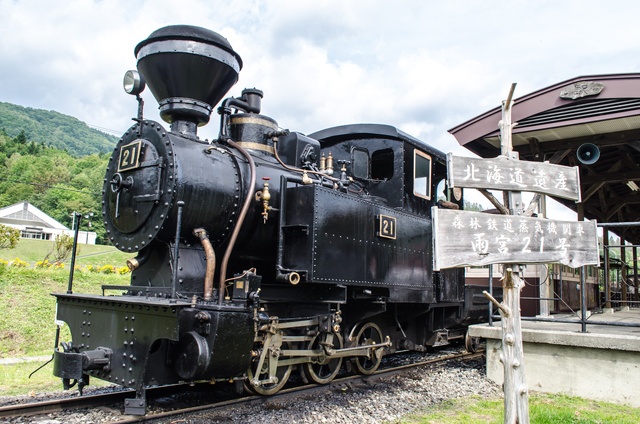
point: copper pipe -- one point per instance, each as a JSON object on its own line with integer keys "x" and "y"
{"x": 243, "y": 213}
{"x": 293, "y": 168}
{"x": 139, "y": 260}
{"x": 210, "y": 255}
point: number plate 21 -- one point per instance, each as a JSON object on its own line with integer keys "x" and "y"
{"x": 129, "y": 156}
{"x": 386, "y": 226}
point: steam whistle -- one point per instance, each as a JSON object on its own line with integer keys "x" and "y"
{"x": 326, "y": 164}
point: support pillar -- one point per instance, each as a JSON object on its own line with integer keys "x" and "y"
{"x": 623, "y": 275}
{"x": 636, "y": 296}
{"x": 607, "y": 283}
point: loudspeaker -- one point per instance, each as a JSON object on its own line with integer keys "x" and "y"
{"x": 588, "y": 153}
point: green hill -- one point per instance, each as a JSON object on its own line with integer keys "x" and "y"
{"x": 54, "y": 129}
{"x": 58, "y": 181}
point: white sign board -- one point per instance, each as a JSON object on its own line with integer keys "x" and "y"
{"x": 465, "y": 238}
{"x": 514, "y": 175}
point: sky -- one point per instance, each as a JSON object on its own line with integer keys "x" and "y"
{"x": 423, "y": 66}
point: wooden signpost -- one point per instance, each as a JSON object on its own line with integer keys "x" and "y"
{"x": 463, "y": 238}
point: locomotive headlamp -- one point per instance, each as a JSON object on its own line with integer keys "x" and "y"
{"x": 133, "y": 83}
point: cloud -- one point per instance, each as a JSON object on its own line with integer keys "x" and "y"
{"x": 420, "y": 66}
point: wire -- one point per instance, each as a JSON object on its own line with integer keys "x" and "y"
{"x": 245, "y": 273}
{"x": 540, "y": 283}
{"x": 623, "y": 281}
{"x": 249, "y": 271}
{"x": 48, "y": 186}
{"x": 106, "y": 130}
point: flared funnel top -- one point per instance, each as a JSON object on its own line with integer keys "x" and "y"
{"x": 188, "y": 69}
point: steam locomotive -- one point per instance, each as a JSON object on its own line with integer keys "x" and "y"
{"x": 262, "y": 251}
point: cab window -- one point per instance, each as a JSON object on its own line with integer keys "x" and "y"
{"x": 360, "y": 160}
{"x": 421, "y": 175}
{"x": 382, "y": 165}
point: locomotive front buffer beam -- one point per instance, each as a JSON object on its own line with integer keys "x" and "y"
{"x": 151, "y": 342}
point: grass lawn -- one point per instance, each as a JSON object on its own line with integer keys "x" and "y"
{"x": 543, "y": 409}
{"x": 27, "y": 325}
{"x": 15, "y": 381}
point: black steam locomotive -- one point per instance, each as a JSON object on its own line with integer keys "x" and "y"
{"x": 262, "y": 251}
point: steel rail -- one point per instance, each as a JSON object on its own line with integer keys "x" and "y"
{"x": 79, "y": 402}
{"x": 57, "y": 405}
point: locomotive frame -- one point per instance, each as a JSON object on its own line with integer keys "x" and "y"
{"x": 325, "y": 239}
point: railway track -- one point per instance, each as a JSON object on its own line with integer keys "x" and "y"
{"x": 56, "y": 405}
{"x": 33, "y": 409}
{"x": 49, "y": 407}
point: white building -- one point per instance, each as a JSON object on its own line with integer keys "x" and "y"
{"x": 35, "y": 224}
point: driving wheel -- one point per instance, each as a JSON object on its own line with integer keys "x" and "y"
{"x": 368, "y": 335}
{"x": 471, "y": 343}
{"x": 323, "y": 368}
{"x": 282, "y": 374}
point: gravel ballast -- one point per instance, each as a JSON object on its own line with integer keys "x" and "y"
{"x": 379, "y": 401}
{"x": 374, "y": 400}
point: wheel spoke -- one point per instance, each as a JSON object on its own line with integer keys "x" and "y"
{"x": 282, "y": 374}
{"x": 369, "y": 334}
{"x": 323, "y": 369}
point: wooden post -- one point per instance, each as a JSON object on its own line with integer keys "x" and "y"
{"x": 635, "y": 274}
{"x": 516, "y": 393}
{"x": 607, "y": 282}
{"x": 544, "y": 281}
{"x": 623, "y": 272}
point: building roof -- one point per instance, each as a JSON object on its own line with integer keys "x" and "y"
{"x": 24, "y": 213}
{"x": 554, "y": 122}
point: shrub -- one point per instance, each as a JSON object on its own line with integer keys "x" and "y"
{"x": 9, "y": 237}
{"x": 107, "y": 269}
{"x": 62, "y": 248}
{"x": 18, "y": 263}
{"x": 44, "y": 264}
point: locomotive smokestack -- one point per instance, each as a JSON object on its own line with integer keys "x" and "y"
{"x": 189, "y": 70}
